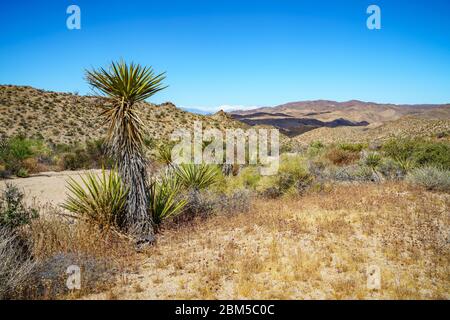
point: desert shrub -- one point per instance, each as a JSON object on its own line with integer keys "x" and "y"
{"x": 249, "y": 177}
{"x": 77, "y": 159}
{"x": 415, "y": 153}
{"x": 98, "y": 199}
{"x": 13, "y": 211}
{"x": 292, "y": 177}
{"x": 431, "y": 178}
{"x": 315, "y": 148}
{"x": 58, "y": 241}
{"x": 341, "y": 157}
{"x": 354, "y": 147}
{"x": 391, "y": 169}
{"x": 89, "y": 156}
{"x": 22, "y": 173}
{"x": 197, "y": 176}
{"x": 206, "y": 202}
{"x": 98, "y": 154}
{"x": 164, "y": 200}
{"x": 371, "y": 160}
{"x": 16, "y": 264}
{"x": 352, "y": 173}
{"x": 16, "y": 151}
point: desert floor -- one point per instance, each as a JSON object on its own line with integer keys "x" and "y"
{"x": 322, "y": 245}
{"x": 45, "y": 187}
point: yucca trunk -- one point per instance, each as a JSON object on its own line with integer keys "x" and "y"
{"x": 126, "y": 149}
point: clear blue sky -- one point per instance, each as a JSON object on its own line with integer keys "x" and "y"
{"x": 237, "y": 52}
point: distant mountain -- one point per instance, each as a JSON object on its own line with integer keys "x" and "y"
{"x": 295, "y": 118}
{"x": 197, "y": 111}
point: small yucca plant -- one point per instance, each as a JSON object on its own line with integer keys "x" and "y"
{"x": 197, "y": 176}
{"x": 164, "y": 201}
{"x": 98, "y": 199}
{"x": 164, "y": 154}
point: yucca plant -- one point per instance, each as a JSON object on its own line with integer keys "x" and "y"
{"x": 98, "y": 199}
{"x": 125, "y": 85}
{"x": 164, "y": 154}
{"x": 197, "y": 176}
{"x": 164, "y": 201}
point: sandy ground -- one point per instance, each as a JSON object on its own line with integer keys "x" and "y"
{"x": 45, "y": 187}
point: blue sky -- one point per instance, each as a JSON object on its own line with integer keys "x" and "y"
{"x": 237, "y": 53}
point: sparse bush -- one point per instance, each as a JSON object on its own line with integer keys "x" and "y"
{"x": 16, "y": 264}
{"x": 13, "y": 212}
{"x": 391, "y": 169}
{"x": 99, "y": 200}
{"x": 431, "y": 178}
{"x": 205, "y": 203}
{"x": 353, "y": 173}
{"x": 341, "y": 157}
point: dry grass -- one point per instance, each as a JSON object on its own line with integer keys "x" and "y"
{"x": 313, "y": 247}
{"x": 57, "y": 242}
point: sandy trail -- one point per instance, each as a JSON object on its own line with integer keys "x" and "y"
{"x": 45, "y": 187}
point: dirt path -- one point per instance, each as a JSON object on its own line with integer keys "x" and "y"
{"x": 45, "y": 187}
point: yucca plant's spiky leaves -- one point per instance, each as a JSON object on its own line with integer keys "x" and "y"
{"x": 197, "y": 176}
{"x": 98, "y": 199}
{"x": 125, "y": 85}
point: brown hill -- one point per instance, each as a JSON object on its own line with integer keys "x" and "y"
{"x": 405, "y": 127}
{"x": 298, "y": 117}
{"x": 68, "y": 118}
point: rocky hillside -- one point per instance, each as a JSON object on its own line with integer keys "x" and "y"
{"x": 68, "y": 118}
{"x": 405, "y": 127}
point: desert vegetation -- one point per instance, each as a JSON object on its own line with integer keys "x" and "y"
{"x": 310, "y": 231}
{"x": 146, "y": 227}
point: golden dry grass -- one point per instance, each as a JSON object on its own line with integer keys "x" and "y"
{"x": 318, "y": 246}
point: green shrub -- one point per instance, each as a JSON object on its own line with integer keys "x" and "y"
{"x": 354, "y": 147}
{"x": 14, "y": 151}
{"x": 13, "y": 211}
{"x": 292, "y": 177}
{"x": 431, "y": 178}
{"x": 22, "y": 173}
{"x": 315, "y": 148}
{"x": 416, "y": 153}
{"x": 98, "y": 199}
{"x": 372, "y": 160}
